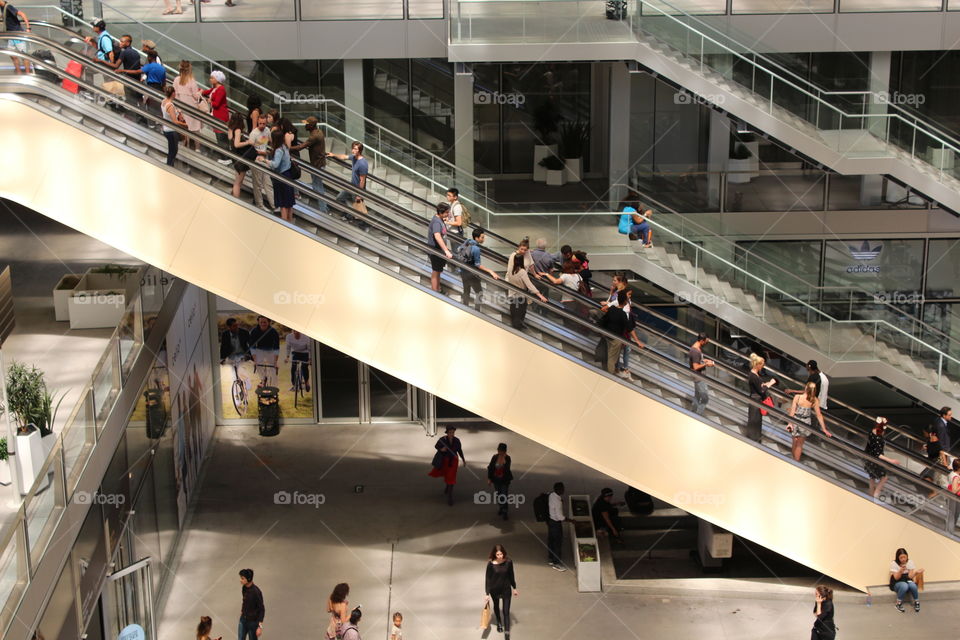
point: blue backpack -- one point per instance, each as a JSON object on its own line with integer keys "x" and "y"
{"x": 626, "y": 221}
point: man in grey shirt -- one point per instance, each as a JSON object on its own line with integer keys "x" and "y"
{"x": 698, "y": 363}
{"x": 543, "y": 262}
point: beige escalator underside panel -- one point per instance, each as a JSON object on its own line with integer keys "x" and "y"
{"x": 141, "y": 208}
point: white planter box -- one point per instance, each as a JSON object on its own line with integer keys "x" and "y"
{"x": 5, "y": 477}
{"x": 588, "y": 572}
{"x": 571, "y": 170}
{"x": 739, "y": 171}
{"x": 541, "y": 151}
{"x": 61, "y": 295}
{"x": 30, "y": 456}
{"x": 555, "y": 178}
{"x": 99, "y": 299}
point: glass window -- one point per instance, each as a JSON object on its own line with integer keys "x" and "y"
{"x": 339, "y": 384}
{"x": 943, "y": 269}
{"x": 388, "y": 396}
{"x": 122, "y": 11}
{"x": 60, "y": 617}
{"x": 765, "y": 258}
{"x": 363, "y": 10}
{"x": 431, "y": 106}
{"x": 880, "y": 266}
{"x": 244, "y": 10}
{"x": 486, "y": 118}
{"x": 387, "y": 94}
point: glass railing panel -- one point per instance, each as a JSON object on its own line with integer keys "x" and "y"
{"x": 106, "y": 383}
{"x": 364, "y": 10}
{"x": 241, "y": 11}
{"x": 876, "y": 6}
{"x": 169, "y": 11}
{"x": 13, "y": 570}
{"x": 43, "y": 508}
{"x": 424, "y": 9}
{"x": 130, "y": 334}
{"x": 781, "y": 6}
{"x": 78, "y": 439}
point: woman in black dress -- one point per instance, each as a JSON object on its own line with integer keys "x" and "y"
{"x": 758, "y": 392}
{"x": 500, "y": 585}
{"x": 823, "y": 626}
{"x": 878, "y": 475}
{"x": 500, "y": 476}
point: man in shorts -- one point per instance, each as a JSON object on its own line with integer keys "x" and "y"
{"x": 16, "y": 20}
{"x": 438, "y": 229}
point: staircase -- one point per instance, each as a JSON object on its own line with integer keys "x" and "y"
{"x": 841, "y": 348}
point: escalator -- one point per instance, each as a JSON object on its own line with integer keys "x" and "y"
{"x": 109, "y": 181}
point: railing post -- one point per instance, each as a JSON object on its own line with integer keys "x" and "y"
{"x": 763, "y": 302}
{"x": 913, "y": 145}
{"x": 772, "y": 80}
{"x": 940, "y": 371}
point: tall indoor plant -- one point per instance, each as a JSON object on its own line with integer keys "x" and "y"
{"x": 30, "y": 402}
{"x": 574, "y": 138}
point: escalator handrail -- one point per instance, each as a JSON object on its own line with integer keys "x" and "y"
{"x": 593, "y": 302}
{"x": 389, "y": 231}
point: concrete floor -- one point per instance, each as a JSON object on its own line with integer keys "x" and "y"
{"x": 400, "y": 547}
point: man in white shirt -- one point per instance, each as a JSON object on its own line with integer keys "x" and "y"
{"x": 298, "y": 346}
{"x": 260, "y": 139}
{"x": 555, "y": 527}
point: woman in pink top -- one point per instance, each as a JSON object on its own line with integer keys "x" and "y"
{"x": 188, "y": 92}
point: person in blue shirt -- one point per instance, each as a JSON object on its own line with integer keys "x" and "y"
{"x": 470, "y": 255}
{"x": 636, "y": 226}
{"x": 155, "y": 76}
{"x": 358, "y": 177}
{"x": 103, "y": 42}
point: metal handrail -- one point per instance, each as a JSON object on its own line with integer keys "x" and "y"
{"x": 725, "y": 390}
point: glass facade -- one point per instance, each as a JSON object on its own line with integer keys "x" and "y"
{"x": 520, "y": 106}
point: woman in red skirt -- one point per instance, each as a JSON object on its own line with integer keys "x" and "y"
{"x": 445, "y": 461}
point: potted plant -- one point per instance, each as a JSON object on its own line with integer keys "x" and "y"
{"x": 546, "y": 120}
{"x": 744, "y": 162}
{"x": 61, "y": 295}
{"x": 574, "y": 138}
{"x": 5, "y": 477}
{"x": 34, "y": 411}
{"x": 554, "y": 170}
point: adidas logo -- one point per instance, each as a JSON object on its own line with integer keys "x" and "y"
{"x": 864, "y": 251}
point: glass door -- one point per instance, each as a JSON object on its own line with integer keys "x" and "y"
{"x": 387, "y": 397}
{"x": 128, "y": 603}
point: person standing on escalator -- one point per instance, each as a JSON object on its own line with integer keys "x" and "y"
{"x": 759, "y": 391}
{"x": 359, "y": 167}
{"x": 16, "y": 20}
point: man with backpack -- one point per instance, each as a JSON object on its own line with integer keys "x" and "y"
{"x": 349, "y": 631}
{"x": 459, "y": 216}
{"x": 469, "y": 254}
{"x": 107, "y": 51}
{"x": 555, "y": 520}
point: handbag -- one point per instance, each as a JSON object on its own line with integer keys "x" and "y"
{"x": 295, "y": 170}
{"x": 485, "y": 616}
{"x": 769, "y": 402}
{"x": 360, "y": 206}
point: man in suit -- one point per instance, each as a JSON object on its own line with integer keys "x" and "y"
{"x": 234, "y": 341}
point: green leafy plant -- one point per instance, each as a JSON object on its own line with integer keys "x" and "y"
{"x": 552, "y": 163}
{"x": 546, "y": 120}
{"x": 115, "y": 270}
{"x": 574, "y": 138}
{"x": 4, "y": 453}
{"x": 29, "y": 400}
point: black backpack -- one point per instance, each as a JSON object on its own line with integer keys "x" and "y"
{"x": 541, "y": 507}
{"x": 465, "y": 252}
